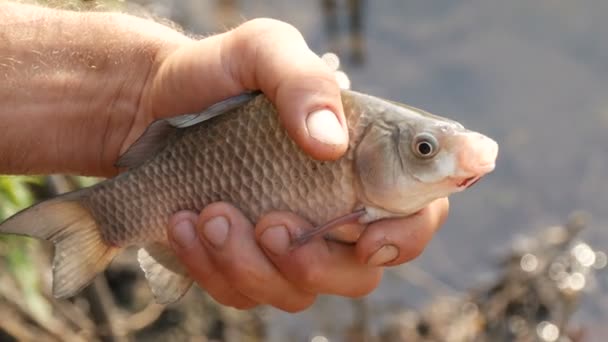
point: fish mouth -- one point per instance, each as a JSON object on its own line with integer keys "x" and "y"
{"x": 464, "y": 182}
{"x": 468, "y": 182}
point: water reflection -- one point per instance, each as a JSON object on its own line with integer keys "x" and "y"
{"x": 353, "y": 32}
{"x": 525, "y": 303}
{"x": 343, "y": 24}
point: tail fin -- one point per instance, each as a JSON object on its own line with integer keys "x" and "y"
{"x": 80, "y": 251}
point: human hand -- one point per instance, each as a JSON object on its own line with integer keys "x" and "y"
{"x": 100, "y": 85}
{"x": 102, "y": 78}
{"x": 241, "y": 265}
{"x": 262, "y": 54}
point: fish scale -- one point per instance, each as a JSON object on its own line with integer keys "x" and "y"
{"x": 263, "y": 170}
{"x": 238, "y": 152}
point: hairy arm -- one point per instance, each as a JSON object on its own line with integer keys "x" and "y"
{"x": 79, "y": 88}
{"x": 70, "y": 83}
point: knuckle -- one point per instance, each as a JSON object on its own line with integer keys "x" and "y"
{"x": 237, "y": 302}
{"x": 201, "y": 274}
{"x": 299, "y": 305}
{"x": 268, "y": 26}
{"x": 366, "y": 285}
{"x": 248, "y": 279}
{"x": 444, "y": 210}
{"x": 435, "y": 214}
{"x": 229, "y": 297}
{"x": 215, "y": 206}
{"x": 312, "y": 276}
{"x": 243, "y": 305}
{"x": 280, "y": 218}
{"x": 216, "y": 209}
{"x": 240, "y": 271}
{"x": 259, "y": 36}
{"x": 412, "y": 250}
{"x": 221, "y": 297}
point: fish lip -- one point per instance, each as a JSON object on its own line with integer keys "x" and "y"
{"x": 468, "y": 182}
{"x": 482, "y": 169}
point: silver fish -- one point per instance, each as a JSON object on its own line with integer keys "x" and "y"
{"x": 399, "y": 159}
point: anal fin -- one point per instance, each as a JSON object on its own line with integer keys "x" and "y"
{"x": 166, "y": 277}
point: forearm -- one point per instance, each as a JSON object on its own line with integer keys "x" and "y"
{"x": 69, "y": 78}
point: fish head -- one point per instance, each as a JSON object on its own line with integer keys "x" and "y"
{"x": 407, "y": 158}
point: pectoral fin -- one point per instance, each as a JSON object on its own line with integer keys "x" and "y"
{"x": 166, "y": 277}
{"x": 153, "y": 140}
{"x": 325, "y": 228}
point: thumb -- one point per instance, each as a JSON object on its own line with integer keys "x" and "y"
{"x": 263, "y": 54}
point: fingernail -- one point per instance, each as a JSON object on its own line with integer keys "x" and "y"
{"x": 323, "y": 125}
{"x": 275, "y": 240}
{"x": 384, "y": 255}
{"x": 183, "y": 233}
{"x": 215, "y": 231}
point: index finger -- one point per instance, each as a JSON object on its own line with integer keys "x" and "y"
{"x": 261, "y": 54}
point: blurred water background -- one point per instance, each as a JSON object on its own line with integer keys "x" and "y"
{"x": 531, "y": 74}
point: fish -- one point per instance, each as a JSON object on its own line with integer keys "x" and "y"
{"x": 399, "y": 159}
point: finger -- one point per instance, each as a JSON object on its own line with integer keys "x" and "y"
{"x": 395, "y": 241}
{"x": 230, "y": 242}
{"x": 297, "y": 81}
{"x": 191, "y": 253}
{"x": 319, "y": 266}
{"x": 301, "y": 85}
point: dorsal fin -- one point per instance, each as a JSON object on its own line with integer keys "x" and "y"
{"x": 156, "y": 136}
{"x": 219, "y": 108}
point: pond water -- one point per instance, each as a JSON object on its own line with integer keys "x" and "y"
{"x": 531, "y": 74}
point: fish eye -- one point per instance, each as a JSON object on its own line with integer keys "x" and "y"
{"x": 425, "y": 145}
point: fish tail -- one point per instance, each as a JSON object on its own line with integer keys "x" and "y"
{"x": 80, "y": 250}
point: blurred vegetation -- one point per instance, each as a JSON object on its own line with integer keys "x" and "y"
{"x": 15, "y": 194}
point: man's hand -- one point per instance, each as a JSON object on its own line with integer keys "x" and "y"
{"x": 241, "y": 265}
{"x": 79, "y": 88}
{"x": 261, "y": 54}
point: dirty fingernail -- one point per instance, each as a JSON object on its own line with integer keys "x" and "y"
{"x": 183, "y": 233}
{"x": 215, "y": 230}
{"x": 323, "y": 125}
{"x": 384, "y": 255}
{"x": 275, "y": 239}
